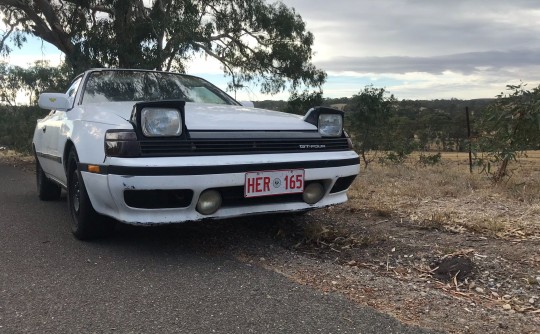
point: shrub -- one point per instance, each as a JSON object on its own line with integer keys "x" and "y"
{"x": 429, "y": 159}
{"x": 17, "y": 126}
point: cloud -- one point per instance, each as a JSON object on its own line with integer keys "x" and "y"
{"x": 414, "y": 27}
{"x": 424, "y": 48}
{"x": 466, "y": 63}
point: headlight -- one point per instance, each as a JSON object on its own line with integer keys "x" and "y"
{"x": 330, "y": 125}
{"x": 161, "y": 122}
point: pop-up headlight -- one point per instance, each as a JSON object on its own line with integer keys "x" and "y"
{"x": 330, "y": 125}
{"x": 328, "y": 121}
{"x": 161, "y": 122}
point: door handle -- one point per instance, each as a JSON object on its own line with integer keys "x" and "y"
{"x": 44, "y": 128}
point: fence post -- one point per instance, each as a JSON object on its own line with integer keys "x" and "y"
{"x": 469, "y": 137}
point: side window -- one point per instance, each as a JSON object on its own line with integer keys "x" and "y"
{"x": 72, "y": 90}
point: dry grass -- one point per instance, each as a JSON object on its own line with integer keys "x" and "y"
{"x": 11, "y": 155}
{"x": 448, "y": 196}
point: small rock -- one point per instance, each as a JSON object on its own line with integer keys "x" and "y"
{"x": 531, "y": 301}
{"x": 334, "y": 282}
{"x": 494, "y": 294}
{"x": 533, "y": 280}
{"x": 351, "y": 263}
{"x": 479, "y": 290}
{"x": 507, "y": 297}
{"x": 262, "y": 259}
{"x": 507, "y": 307}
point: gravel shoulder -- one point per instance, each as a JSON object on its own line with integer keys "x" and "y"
{"x": 455, "y": 282}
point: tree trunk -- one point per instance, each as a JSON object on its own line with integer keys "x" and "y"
{"x": 366, "y": 162}
{"x": 502, "y": 171}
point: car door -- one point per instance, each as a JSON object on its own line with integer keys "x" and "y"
{"x": 43, "y": 144}
{"x": 56, "y": 131}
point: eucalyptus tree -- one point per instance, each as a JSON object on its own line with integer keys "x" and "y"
{"x": 31, "y": 81}
{"x": 254, "y": 41}
{"x": 508, "y": 128}
{"x": 369, "y": 113}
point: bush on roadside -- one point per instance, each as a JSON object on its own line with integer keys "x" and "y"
{"x": 393, "y": 158}
{"x": 429, "y": 159}
{"x": 17, "y": 125}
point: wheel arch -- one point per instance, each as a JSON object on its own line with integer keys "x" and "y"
{"x": 67, "y": 149}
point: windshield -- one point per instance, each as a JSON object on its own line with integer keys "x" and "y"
{"x": 117, "y": 86}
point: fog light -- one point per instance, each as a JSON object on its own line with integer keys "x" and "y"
{"x": 313, "y": 193}
{"x": 209, "y": 202}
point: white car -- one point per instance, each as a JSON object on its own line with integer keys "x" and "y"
{"x": 149, "y": 147}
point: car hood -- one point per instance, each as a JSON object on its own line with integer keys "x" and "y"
{"x": 206, "y": 117}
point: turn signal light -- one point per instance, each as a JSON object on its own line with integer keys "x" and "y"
{"x": 94, "y": 169}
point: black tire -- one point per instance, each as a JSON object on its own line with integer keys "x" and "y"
{"x": 86, "y": 223}
{"x": 47, "y": 189}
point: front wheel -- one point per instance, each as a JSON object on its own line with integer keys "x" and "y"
{"x": 86, "y": 222}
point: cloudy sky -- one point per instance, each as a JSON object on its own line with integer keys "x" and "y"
{"x": 416, "y": 49}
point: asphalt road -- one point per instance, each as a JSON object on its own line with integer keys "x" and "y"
{"x": 147, "y": 280}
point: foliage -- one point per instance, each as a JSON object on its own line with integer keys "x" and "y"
{"x": 9, "y": 84}
{"x": 32, "y": 81}
{"x": 271, "y": 105}
{"x": 509, "y": 126}
{"x": 369, "y": 115}
{"x": 300, "y": 103}
{"x": 254, "y": 41}
{"x": 430, "y": 159}
{"x": 17, "y": 126}
{"x": 392, "y": 158}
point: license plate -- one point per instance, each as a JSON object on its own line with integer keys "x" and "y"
{"x": 275, "y": 182}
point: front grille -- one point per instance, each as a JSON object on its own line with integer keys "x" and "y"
{"x": 160, "y": 147}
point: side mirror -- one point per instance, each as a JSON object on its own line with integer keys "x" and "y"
{"x": 249, "y": 104}
{"x": 54, "y": 101}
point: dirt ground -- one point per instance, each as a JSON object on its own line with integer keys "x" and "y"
{"x": 456, "y": 281}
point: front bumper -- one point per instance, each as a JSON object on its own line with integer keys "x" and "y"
{"x": 106, "y": 189}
